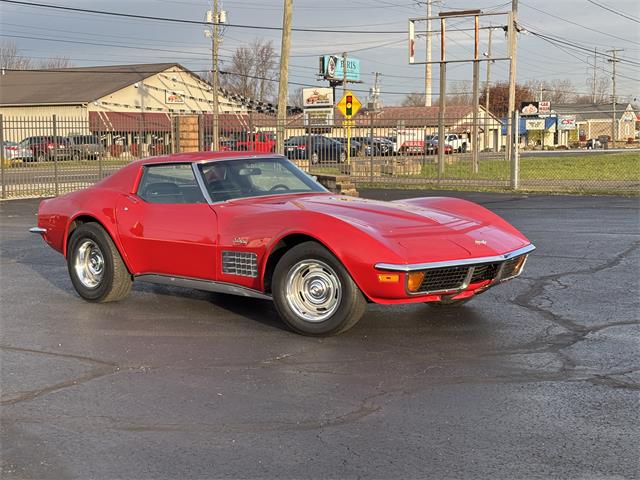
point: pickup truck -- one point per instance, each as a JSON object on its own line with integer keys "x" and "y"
{"x": 256, "y": 142}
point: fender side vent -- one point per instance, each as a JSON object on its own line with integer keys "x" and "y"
{"x": 244, "y": 264}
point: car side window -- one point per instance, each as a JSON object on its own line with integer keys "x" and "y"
{"x": 170, "y": 184}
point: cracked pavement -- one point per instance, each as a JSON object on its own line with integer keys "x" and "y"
{"x": 537, "y": 378}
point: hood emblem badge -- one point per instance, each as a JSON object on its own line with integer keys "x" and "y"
{"x": 481, "y": 242}
{"x": 240, "y": 241}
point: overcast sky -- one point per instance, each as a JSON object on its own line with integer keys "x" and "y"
{"x": 151, "y": 41}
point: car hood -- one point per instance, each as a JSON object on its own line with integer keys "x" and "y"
{"x": 418, "y": 233}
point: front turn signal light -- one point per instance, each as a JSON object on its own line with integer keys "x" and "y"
{"x": 388, "y": 277}
{"x": 414, "y": 280}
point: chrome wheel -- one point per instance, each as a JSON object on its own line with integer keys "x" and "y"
{"x": 89, "y": 263}
{"x": 313, "y": 290}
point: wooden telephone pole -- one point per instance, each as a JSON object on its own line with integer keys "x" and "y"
{"x": 283, "y": 90}
{"x": 614, "y": 120}
{"x": 513, "y": 50}
{"x": 215, "y": 43}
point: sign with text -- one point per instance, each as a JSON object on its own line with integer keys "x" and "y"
{"x": 544, "y": 108}
{"x": 528, "y": 108}
{"x": 332, "y": 68}
{"x": 567, "y": 122}
{"x": 534, "y": 124}
{"x": 176, "y": 96}
{"x": 318, "y": 117}
{"x": 317, "y": 97}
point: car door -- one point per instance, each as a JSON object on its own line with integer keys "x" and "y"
{"x": 167, "y": 227}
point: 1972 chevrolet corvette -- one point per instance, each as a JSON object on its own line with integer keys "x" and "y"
{"x": 255, "y": 225}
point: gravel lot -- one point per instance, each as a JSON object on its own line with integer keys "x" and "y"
{"x": 538, "y": 378}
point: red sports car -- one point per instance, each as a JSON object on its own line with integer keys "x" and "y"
{"x": 255, "y": 225}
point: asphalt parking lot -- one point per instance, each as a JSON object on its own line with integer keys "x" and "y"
{"x": 537, "y": 378}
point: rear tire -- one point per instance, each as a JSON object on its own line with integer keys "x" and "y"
{"x": 95, "y": 266}
{"x": 313, "y": 292}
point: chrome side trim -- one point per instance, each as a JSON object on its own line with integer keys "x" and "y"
{"x": 207, "y": 285}
{"x": 201, "y": 184}
{"x": 454, "y": 263}
{"x": 39, "y": 230}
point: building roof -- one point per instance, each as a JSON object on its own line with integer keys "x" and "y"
{"x": 72, "y": 86}
{"x": 590, "y": 111}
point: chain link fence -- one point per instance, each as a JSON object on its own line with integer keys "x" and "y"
{"x": 53, "y": 155}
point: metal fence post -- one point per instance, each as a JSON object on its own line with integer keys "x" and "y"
{"x": 55, "y": 156}
{"x": 371, "y": 149}
{"x": 515, "y": 154}
{"x": 4, "y": 193}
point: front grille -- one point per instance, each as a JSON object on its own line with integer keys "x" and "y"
{"x": 486, "y": 271}
{"x": 446, "y": 279}
{"x": 442, "y": 279}
{"x": 240, "y": 263}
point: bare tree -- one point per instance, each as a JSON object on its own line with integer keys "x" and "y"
{"x": 460, "y": 93}
{"x": 54, "y": 62}
{"x": 554, "y": 91}
{"x": 10, "y": 57}
{"x": 295, "y": 98}
{"x": 252, "y": 70}
{"x": 413, "y": 100}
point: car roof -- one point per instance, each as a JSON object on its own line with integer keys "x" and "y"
{"x": 204, "y": 156}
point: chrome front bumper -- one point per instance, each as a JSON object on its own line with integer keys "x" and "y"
{"x": 454, "y": 263}
{"x": 38, "y": 230}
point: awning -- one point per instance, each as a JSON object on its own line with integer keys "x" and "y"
{"x": 129, "y": 122}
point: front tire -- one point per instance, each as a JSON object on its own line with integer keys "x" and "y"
{"x": 313, "y": 292}
{"x": 95, "y": 266}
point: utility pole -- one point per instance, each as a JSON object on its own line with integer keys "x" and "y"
{"x": 487, "y": 91}
{"x": 284, "y": 74}
{"x": 513, "y": 51}
{"x": 595, "y": 61}
{"x": 442, "y": 104}
{"x": 215, "y": 130}
{"x": 375, "y": 91}
{"x": 614, "y": 120}
{"x": 427, "y": 66}
{"x": 476, "y": 99}
{"x": 344, "y": 73}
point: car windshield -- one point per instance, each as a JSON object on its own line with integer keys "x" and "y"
{"x": 231, "y": 179}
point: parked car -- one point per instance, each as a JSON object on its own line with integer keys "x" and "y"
{"x": 260, "y": 227}
{"x": 86, "y": 147}
{"x": 456, "y": 141}
{"x": 14, "y": 153}
{"x": 356, "y": 146}
{"x": 431, "y": 146}
{"x": 379, "y": 146}
{"x": 44, "y": 148}
{"x": 394, "y": 142}
{"x": 315, "y": 148}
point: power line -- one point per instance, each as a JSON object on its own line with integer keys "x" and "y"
{"x": 196, "y": 22}
{"x": 578, "y": 24}
{"x": 622, "y": 14}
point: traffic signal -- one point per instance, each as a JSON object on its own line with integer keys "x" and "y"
{"x": 349, "y": 107}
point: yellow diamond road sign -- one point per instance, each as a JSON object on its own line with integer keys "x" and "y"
{"x": 349, "y": 105}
